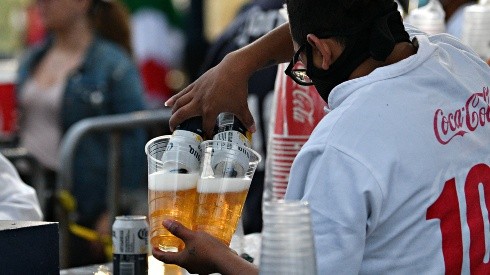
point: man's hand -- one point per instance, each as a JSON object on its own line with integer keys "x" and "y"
{"x": 223, "y": 88}
{"x": 203, "y": 254}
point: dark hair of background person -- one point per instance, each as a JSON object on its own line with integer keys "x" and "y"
{"x": 111, "y": 20}
{"x": 404, "y": 4}
{"x": 320, "y": 17}
{"x": 450, "y": 6}
{"x": 196, "y": 44}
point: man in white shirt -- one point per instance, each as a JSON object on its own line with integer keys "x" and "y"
{"x": 397, "y": 175}
{"x": 18, "y": 201}
{"x": 398, "y": 162}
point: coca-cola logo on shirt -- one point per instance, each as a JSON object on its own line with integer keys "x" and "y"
{"x": 474, "y": 114}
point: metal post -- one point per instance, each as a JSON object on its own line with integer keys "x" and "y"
{"x": 69, "y": 144}
{"x": 114, "y": 175}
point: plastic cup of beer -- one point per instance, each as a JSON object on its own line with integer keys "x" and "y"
{"x": 227, "y": 170}
{"x": 172, "y": 181}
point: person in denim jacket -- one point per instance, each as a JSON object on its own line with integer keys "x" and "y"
{"x": 83, "y": 70}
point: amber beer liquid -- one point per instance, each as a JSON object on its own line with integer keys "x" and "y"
{"x": 219, "y": 205}
{"x": 173, "y": 170}
{"x": 227, "y": 170}
{"x": 171, "y": 196}
{"x": 238, "y": 139}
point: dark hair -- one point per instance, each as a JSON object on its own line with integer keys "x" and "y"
{"x": 111, "y": 20}
{"x": 450, "y": 6}
{"x": 337, "y": 18}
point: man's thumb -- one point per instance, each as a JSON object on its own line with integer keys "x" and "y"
{"x": 248, "y": 121}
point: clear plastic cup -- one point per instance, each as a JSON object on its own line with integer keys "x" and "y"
{"x": 227, "y": 170}
{"x": 476, "y": 28}
{"x": 287, "y": 245}
{"x": 429, "y": 18}
{"x": 171, "y": 188}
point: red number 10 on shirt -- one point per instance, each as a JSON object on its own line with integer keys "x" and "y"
{"x": 446, "y": 209}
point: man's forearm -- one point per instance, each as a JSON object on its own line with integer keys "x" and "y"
{"x": 233, "y": 264}
{"x": 271, "y": 49}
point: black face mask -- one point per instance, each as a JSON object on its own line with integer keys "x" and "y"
{"x": 377, "y": 42}
{"x": 325, "y": 80}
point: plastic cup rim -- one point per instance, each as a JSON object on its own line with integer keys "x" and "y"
{"x": 205, "y": 143}
{"x": 153, "y": 140}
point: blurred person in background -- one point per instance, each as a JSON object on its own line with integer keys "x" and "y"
{"x": 35, "y": 31}
{"x": 158, "y": 42}
{"x": 84, "y": 69}
{"x": 455, "y": 15}
{"x": 397, "y": 175}
{"x": 253, "y": 21}
{"x": 196, "y": 45}
{"x": 18, "y": 201}
{"x": 454, "y": 10}
{"x": 404, "y": 5}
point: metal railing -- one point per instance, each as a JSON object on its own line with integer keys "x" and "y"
{"x": 114, "y": 125}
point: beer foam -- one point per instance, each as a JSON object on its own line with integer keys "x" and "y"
{"x": 223, "y": 185}
{"x": 166, "y": 181}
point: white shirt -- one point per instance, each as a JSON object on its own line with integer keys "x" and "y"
{"x": 384, "y": 167}
{"x": 18, "y": 201}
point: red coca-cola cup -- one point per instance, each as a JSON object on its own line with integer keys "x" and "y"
{"x": 298, "y": 108}
{"x": 296, "y": 112}
{"x": 7, "y": 105}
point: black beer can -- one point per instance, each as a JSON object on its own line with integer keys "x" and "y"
{"x": 183, "y": 152}
{"x": 130, "y": 245}
{"x": 232, "y": 131}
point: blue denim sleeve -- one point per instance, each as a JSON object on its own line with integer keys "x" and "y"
{"x": 127, "y": 93}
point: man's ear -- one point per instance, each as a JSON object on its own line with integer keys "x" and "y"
{"x": 322, "y": 53}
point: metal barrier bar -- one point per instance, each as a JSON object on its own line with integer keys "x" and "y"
{"x": 114, "y": 175}
{"x": 113, "y": 124}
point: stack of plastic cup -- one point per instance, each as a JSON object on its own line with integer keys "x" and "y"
{"x": 429, "y": 18}
{"x": 287, "y": 239}
{"x": 283, "y": 151}
{"x": 8, "y": 115}
{"x": 296, "y": 110}
{"x": 476, "y": 28}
